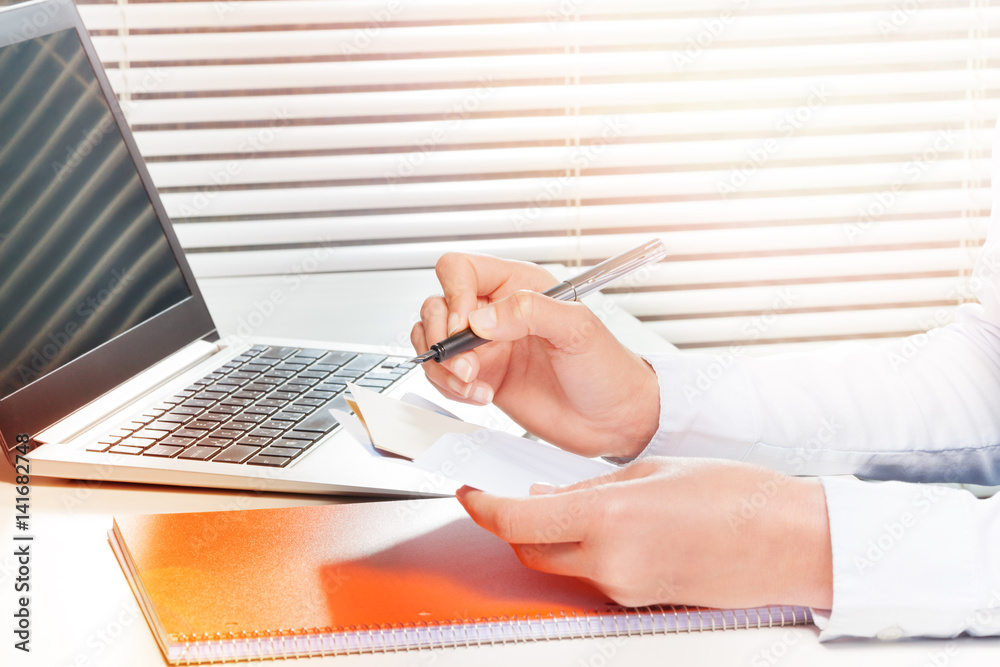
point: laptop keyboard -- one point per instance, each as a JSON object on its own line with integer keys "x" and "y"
{"x": 266, "y": 407}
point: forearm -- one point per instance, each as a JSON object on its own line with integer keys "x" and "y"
{"x": 878, "y": 412}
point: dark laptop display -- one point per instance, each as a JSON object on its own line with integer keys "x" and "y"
{"x": 83, "y": 257}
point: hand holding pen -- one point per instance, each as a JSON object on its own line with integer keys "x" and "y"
{"x": 552, "y": 365}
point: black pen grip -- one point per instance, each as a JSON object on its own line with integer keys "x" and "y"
{"x": 457, "y": 344}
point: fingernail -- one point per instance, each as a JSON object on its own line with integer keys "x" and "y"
{"x": 542, "y": 489}
{"x": 484, "y": 319}
{"x": 483, "y": 393}
{"x": 462, "y": 368}
{"x": 454, "y": 322}
{"x": 459, "y": 387}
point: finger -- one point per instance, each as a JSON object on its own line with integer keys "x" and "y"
{"x": 567, "y": 325}
{"x": 474, "y": 393}
{"x": 466, "y": 277}
{"x": 434, "y": 316}
{"x": 566, "y": 558}
{"x": 562, "y": 517}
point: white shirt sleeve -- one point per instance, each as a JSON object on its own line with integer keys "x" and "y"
{"x": 923, "y": 409}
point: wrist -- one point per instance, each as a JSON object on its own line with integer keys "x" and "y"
{"x": 806, "y": 546}
{"x": 645, "y": 417}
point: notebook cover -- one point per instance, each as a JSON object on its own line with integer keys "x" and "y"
{"x": 332, "y": 566}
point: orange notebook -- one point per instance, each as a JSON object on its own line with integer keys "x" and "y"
{"x": 364, "y": 577}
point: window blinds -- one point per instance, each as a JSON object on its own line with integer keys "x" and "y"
{"x": 819, "y": 169}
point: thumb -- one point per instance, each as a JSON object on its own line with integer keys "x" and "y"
{"x": 567, "y": 325}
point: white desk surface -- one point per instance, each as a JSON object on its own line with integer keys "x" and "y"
{"x": 83, "y": 612}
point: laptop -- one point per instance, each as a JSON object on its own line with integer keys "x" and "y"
{"x": 109, "y": 360}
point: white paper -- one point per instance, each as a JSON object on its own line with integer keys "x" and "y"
{"x": 506, "y": 464}
{"x": 485, "y": 459}
{"x": 401, "y": 428}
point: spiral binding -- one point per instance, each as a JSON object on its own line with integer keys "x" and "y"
{"x": 385, "y": 638}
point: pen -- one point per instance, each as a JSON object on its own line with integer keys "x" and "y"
{"x": 568, "y": 290}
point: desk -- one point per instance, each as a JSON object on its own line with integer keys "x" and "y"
{"x": 85, "y": 614}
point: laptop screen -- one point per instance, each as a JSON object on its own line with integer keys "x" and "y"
{"x": 83, "y": 257}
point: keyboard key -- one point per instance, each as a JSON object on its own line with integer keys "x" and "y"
{"x": 199, "y": 453}
{"x": 263, "y": 381}
{"x": 100, "y": 446}
{"x": 175, "y": 418}
{"x": 164, "y": 451}
{"x": 338, "y": 358}
{"x": 238, "y": 425}
{"x": 174, "y": 441}
{"x": 249, "y": 417}
{"x": 294, "y": 388}
{"x": 253, "y": 440}
{"x": 162, "y": 425}
{"x": 196, "y": 403}
{"x": 190, "y": 433}
{"x": 333, "y": 387}
{"x": 259, "y": 410}
{"x": 204, "y": 424}
{"x": 153, "y": 413}
{"x": 324, "y": 395}
{"x": 243, "y": 358}
{"x": 365, "y": 362}
{"x": 374, "y": 384}
{"x": 182, "y": 410}
{"x": 278, "y": 352}
{"x": 230, "y": 433}
{"x": 238, "y": 402}
{"x": 120, "y": 433}
{"x": 225, "y": 410}
{"x": 285, "y": 395}
{"x": 276, "y": 425}
{"x": 376, "y": 375}
{"x": 269, "y": 461}
{"x": 311, "y": 375}
{"x": 298, "y": 409}
{"x": 213, "y": 396}
{"x": 322, "y": 368}
{"x": 289, "y": 442}
{"x": 242, "y": 375}
{"x": 350, "y": 373}
{"x": 214, "y": 442}
{"x": 247, "y": 395}
{"x": 125, "y": 449}
{"x": 320, "y": 421}
{"x": 306, "y": 382}
{"x": 311, "y": 353}
{"x": 289, "y": 452}
{"x": 138, "y": 442}
{"x": 266, "y": 432}
{"x": 258, "y": 348}
{"x": 288, "y": 416}
{"x": 236, "y": 454}
{"x": 310, "y": 401}
{"x": 272, "y": 402}
{"x": 279, "y": 374}
{"x": 212, "y": 418}
{"x": 296, "y": 434}
{"x": 255, "y": 368}
{"x": 151, "y": 434}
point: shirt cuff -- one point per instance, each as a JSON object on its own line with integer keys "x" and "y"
{"x": 908, "y": 560}
{"x": 704, "y": 406}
